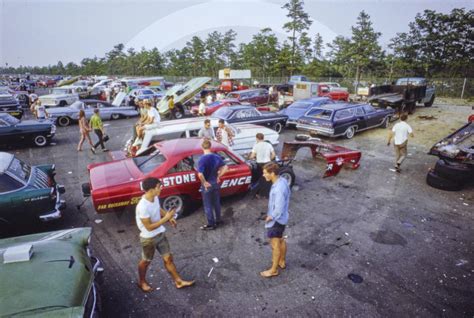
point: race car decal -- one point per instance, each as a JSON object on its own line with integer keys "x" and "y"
{"x": 236, "y": 181}
{"x": 132, "y": 201}
{"x": 179, "y": 179}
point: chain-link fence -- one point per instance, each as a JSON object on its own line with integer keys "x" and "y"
{"x": 452, "y": 87}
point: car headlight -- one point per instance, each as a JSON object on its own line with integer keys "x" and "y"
{"x": 53, "y": 129}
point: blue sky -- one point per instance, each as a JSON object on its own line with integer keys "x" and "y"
{"x": 42, "y": 32}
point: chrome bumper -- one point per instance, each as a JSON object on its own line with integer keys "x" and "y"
{"x": 58, "y": 207}
{"x": 316, "y": 130}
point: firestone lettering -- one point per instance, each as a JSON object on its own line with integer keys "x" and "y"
{"x": 180, "y": 179}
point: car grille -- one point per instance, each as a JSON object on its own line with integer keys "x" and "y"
{"x": 41, "y": 180}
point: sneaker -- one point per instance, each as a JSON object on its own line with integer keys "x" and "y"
{"x": 207, "y": 227}
{"x": 93, "y": 150}
{"x": 105, "y": 150}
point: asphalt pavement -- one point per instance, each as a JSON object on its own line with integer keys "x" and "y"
{"x": 365, "y": 243}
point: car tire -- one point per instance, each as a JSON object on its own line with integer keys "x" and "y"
{"x": 350, "y": 132}
{"x": 179, "y": 113}
{"x": 115, "y": 116}
{"x": 180, "y": 202}
{"x": 40, "y": 140}
{"x": 430, "y": 103}
{"x": 435, "y": 181}
{"x": 453, "y": 171}
{"x": 64, "y": 121}
{"x": 62, "y": 103}
{"x": 278, "y": 127}
{"x": 288, "y": 174}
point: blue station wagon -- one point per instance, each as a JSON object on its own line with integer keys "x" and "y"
{"x": 343, "y": 119}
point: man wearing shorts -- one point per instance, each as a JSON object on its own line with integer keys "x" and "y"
{"x": 277, "y": 217}
{"x": 150, "y": 218}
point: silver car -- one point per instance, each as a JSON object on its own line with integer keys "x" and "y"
{"x": 64, "y": 116}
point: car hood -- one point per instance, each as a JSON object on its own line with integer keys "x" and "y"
{"x": 58, "y": 275}
{"x": 293, "y": 113}
{"x": 113, "y": 173}
{"x": 50, "y": 96}
{"x": 182, "y": 93}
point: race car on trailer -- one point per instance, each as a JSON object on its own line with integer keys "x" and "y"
{"x": 115, "y": 185}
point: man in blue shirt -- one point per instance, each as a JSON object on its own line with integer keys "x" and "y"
{"x": 211, "y": 168}
{"x": 277, "y": 217}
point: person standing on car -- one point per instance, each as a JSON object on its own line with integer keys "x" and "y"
{"x": 263, "y": 153}
{"x": 225, "y": 135}
{"x": 277, "y": 217}
{"x": 400, "y": 133}
{"x": 207, "y": 131}
{"x": 202, "y": 108}
{"x": 211, "y": 168}
{"x": 84, "y": 129}
{"x": 98, "y": 127}
{"x": 150, "y": 218}
{"x": 281, "y": 99}
{"x": 209, "y": 98}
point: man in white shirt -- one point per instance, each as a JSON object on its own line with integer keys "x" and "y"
{"x": 400, "y": 133}
{"x": 264, "y": 153}
{"x": 150, "y": 218}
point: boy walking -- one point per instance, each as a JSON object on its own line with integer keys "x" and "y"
{"x": 98, "y": 127}
{"x": 400, "y": 133}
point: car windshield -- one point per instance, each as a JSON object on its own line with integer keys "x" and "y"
{"x": 77, "y": 105}
{"x": 146, "y": 92}
{"x": 320, "y": 113}
{"x": 148, "y": 163}
{"x": 233, "y": 95}
{"x": 223, "y": 112}
{"x": 20, "y": 169}
{"x": 300, "y": 105}
{"x": 60, "y": 91}
{"x": 409, "y": 81}
{"x": 10, "y": 119}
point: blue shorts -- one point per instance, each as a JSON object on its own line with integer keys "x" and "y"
{"x": 276, "y": 231}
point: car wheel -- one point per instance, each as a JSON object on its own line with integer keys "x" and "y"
{"x": 179, "y": 113}
{"x": 278, "y": 127}
{"x": 62, "y": 103}
{"x": 430, "y": 103}
{"x": 437, "y": 182}
{"x": 64, "y": 121}
{"x": 115, "y": 116}
{"x": 40, "y": 140}
{"x": 350, "y": 132}
{"x": 177, "y": 202}
{"x": 288, "y": 174}
{"x": 453, "y": 171}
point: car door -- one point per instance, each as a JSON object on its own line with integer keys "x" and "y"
{"x": 344, "y": 118}
{"x": 238, "y": 177}
{"x": 361, "y": 118}
{"x": 105, "y": 111}
{"x": 182, "y": 178}
{"x": 374, "y": 118}
{"x": 255, "y": 117}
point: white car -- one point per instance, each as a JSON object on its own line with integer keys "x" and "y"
{"x": 61, "y": 96}
{"x": 244, "y": 138}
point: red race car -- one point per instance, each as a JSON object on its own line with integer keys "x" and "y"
{"x": 115, "y": 185}
{"x": 211, "y": 108}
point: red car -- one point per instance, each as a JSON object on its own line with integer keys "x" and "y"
{"x": 115, "y": 185}
{"x": 257, "y": 96}
{"x": 211, "y": 108}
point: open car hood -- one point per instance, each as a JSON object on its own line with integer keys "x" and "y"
{"x": 182, "y": 93}
{"x": 457, "y": 146}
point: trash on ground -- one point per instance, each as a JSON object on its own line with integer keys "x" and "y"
{"x": 216, "y": 260}
{"x": 461, "y": 262}
{"x": 208, "y": 275}
{"x": 98, "y": 221}
{"x": 355, "y": 278}
{"x": 69, "y": 172}
{"x": 427, "y": 117}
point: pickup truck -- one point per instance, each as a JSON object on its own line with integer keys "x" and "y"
{"x": 302, "y": 90}
{"x": 61, "y": 96}
{"x": 403, "y": 95}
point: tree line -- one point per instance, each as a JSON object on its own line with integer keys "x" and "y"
{"x": 436, "y": 45}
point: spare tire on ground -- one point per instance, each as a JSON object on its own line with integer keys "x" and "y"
{"x": 440, "y": 183}
{"x": 454, "y": 171}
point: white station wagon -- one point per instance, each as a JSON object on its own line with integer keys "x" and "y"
{"x": 244, "y": 138}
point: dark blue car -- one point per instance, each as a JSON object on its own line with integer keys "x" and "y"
{"x": 299, "y": 108}
{"x": 343, "y": 119}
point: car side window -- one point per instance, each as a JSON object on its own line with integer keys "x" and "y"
{"x": 253, "y": 113}
{"x": 7, "y": 183}
{"x": 343, "y": 114}
{"x": 359, "y": 111}
{"x": 187, "y": 164}
{"x": 228, "y": 160}
{"x": 161, "y": 137}
{"x": 194, "y": 133}
{"x": 368, "y": 109}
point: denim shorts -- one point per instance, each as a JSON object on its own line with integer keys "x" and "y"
{"x": 276, "y": 231}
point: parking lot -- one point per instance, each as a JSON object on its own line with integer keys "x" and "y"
{"x": 411, "y": 244}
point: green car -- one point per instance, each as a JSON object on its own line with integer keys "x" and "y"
{"x": 27, "y": 193}
{"x": 49, "y": 274}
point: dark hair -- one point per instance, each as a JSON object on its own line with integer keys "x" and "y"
{"x": 206, "y": 144}
{"x": 260, "y": 136}
{"x": 207, "y": 121}
{"x": 271, "y": 167}
{"x": 403, "y": 117}
{"x": 82, "y": 113}
{"x": 96, "y": 110}
{"x": 150, "y": 183}
{"x": 221, "y": 121}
